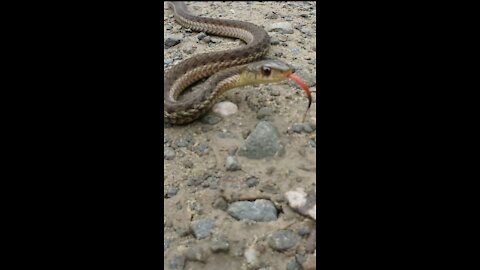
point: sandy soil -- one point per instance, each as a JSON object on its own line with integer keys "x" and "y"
{"x": 197, "y": 185}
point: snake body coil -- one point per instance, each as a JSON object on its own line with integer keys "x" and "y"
{"x": 230, "y": 63}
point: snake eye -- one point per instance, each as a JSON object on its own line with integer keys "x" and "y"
{"x": 266, "y": 71}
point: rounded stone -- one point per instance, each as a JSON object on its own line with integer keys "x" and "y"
{"x": 282, "y": 240}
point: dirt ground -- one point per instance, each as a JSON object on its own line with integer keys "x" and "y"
{"x": 200, "y": 184}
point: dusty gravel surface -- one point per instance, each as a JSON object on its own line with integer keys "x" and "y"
{"x": 224, "y": 188}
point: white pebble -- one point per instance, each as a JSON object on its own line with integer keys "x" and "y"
{"x": 251, "y": 255}
{"x": 296, "y": 199}
{"x": 225, "y": 108}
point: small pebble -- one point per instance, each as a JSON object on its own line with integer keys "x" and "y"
{"x": 232, "y": 164}
{"x": 219, "y": 245}
{"x": 252, "y": 182}
{"x": 220, "y": 203}
{"x": 172, "y": 192}
{"x": 259, "y": 210}
{"x": 304, "y": 231}
{"x": 225, "y": 108}
{"x": 202, "y": 228}
{"x": 282, "y": 240}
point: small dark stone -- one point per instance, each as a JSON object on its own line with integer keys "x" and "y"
{"x": 252, "y": 182}
{"x": 259, "y": 210}
{"x": 221, "y": 204}
{"x": 297, "y": 127}
{"x": 172, "y": 40}
{"x": 211, "y": 119}
{"x": 304, "y": 231}
{"x": 282, "y": 240}
{"x": 172, "y": 192}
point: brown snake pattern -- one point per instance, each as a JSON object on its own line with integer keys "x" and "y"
{"x": 222, "y": 65}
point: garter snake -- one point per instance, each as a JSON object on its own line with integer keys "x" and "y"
{"x": 225, "y": 69}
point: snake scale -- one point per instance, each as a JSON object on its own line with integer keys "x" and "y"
{"x": 225, "y": 69}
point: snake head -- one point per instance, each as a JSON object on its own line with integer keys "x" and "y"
{"x": 269, "y": 71}
{"x": 266, "y": 71}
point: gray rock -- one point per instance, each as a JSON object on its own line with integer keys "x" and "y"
{"x": 172, "y": 40}
{"x": 309, "y": 127}
{"x": 252, "y": 182}
{"x": 303, "y": 127}
{"x": 300, "y": 258}
{"x": 297, "y": 127}
{"x": 282, "y": 240}
{"x": 202, "y": 228}
{"x": 172, "y": 191}
{"x": 263, "y": 142}
{"x": 304, "y": 231}
{"x": 201, "y": 36}
{"x": 281, "y": 27}
{"x": 260, "y": 210}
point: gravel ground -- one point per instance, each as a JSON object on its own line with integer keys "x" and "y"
{"x": 226, "y": 177}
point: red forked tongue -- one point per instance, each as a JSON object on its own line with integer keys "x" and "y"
{"x": 305, "y": 88}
